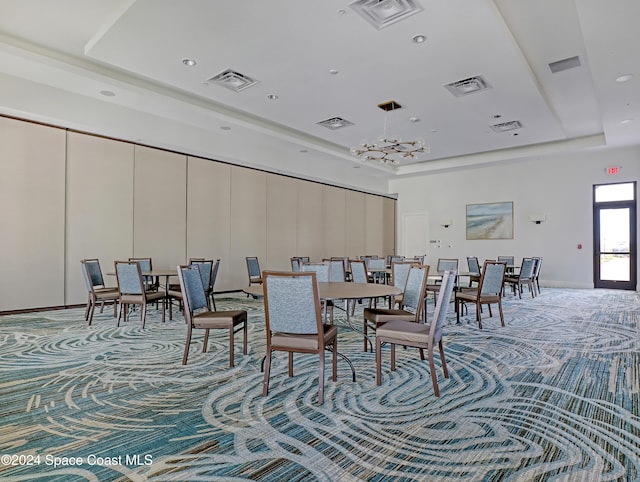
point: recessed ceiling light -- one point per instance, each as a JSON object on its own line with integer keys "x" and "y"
{"x": 107, "y": 93}
{"x": 333, "y": 71}
{"x": 497, "y": 116}
{"x": 225, "y": 128}
{"x": 414, "y": 119}
{"x": 272, "y": 97}
{"x": 303, "y": 150}
{"x": 624, "y": 78}
{"x": 418, "y": 39}
{"x": 189, "y": 62}
{"x": 626, "y": 121}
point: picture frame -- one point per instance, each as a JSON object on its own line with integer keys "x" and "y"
{"x": 490, "y": 220}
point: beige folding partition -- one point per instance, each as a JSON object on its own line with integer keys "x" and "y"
{"x": 355, "y": 225}
{"x": 334, "y": 221}
{"x": 375, "y": 226}
{"x": 99, "y": 217}
{"x": 282, "y": 200}
{"x": 248, "y": 227}
{"x": 310, "y": 226}
{"x": 32, "y": 196}
{"x": 389, "y": 230}
{"x": 160, "y": 207}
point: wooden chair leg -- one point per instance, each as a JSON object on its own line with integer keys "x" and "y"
{"x": 231, "y": 343}
{"x": 244, "y": 334}
{"x": 335, "y": 359}
{"x": 290, "y": 363}
{"x": 187, "y": 345}
{"x": 393, "y": 357}
{"x": 442, "y": 360}
{"x": 321, "y": 379}
{"x": 500, "y": 310}
{"x": 205, "y": 342}
{"x": 434, "y": 377}
{"x": 267, "y": 370}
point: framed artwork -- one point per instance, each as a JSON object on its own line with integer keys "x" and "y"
{"x": 490, "y": 221}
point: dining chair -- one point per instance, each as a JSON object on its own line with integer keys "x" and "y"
{"x": 146, "y": 264}
{"x": 322, "y": 271}
{"x": 525, "y": 277}
{"x": 444, "y": 264}
{"x": 214, "y": 277}
{"x": 399, "y": 273}
{"x": 488, "y": 292}
{"x": 358, "y": 275}
{"x": 253, "y": 270}
{"x": 536, "y": 273}
{"x": 419, "y": 335}
{"x": 97, "y": 291}
{"x": 509, "y": 261}
{"x": 377, "y": 266}
{"x": 411, "y": 308}
{"x": 474, "y": 267}
{"x": 295, "y": 264}
{"x": 132, "y": 289}
{"x": 206, "y": 270}
{"x": 198, "y": 314}
{"x": 294, "y": 322}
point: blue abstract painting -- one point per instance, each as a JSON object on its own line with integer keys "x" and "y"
{"x": 490, "y": 221}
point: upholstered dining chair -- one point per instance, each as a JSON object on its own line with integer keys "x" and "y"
{"x": 411, "y": 308}
{"x": 474, "y": 267}
{"x": 206, "y": 273}
{"x": 444, "y": 264}
{"x": 489, "y": 291}
{"x": 377, "y": 266}
{"x": 399, "y": 273}
{"x": 132, "y": 289}
{"x": 146, "y": 264}
{"x": 97, "y": 291}
{"x": 323, "y": 273}
{"x": 198, "y": 314}
{"x": 418, "y": 335}
{"x": 295, "y": 264}
{"x": 359, "y": 274}
{"x": 525, "y": 277}
{"x": 294, "y": 322}
{"x": 536, "y": 273}
{"x": 253, "y": 270}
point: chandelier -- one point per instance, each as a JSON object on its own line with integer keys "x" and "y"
{"x": 389, "y": 149}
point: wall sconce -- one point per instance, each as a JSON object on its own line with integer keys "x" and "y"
{"x": 445, "y": 223}
{"x": 537, "y": 218}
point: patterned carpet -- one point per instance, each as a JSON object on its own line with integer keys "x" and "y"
{"x": 552, "y": 396}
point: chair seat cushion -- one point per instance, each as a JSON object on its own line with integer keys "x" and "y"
{"x": 404, "y": 331}
{"x": 382, "y": 315}
{"x": 106, "y": 293}
{"x": 219, "y": 319}
{"x": 174, "y": 293}
{"x": 302, "y": 342}
{"x": 473, "y": 296}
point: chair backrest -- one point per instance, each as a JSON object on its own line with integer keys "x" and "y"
{"x": 320, "y": 269}
{"x": 295, "y": 264}
{"x": 194, "y": 296}
{"x": 447, "y": 264}
{"x": 399, "y": 273}
{"x": 129, "y": 276}
{"x": 291, "y": 303}
{"x": 536, "y": 269}
{"x": 492, "y": 278}
{"x": 421, "y": 258}
{"x": 359, "y": 271}
{"x": 473, "y": 264}
{"x": 526, "y": 269}
{"x": 396, "y": 259}
{"x": 509, "y": 260}
{"x": 336, "y": 270}
{"x": 253, "y": 267}
{"x": 414, "y": 290}
{"x": 442, "y": 305}
{"x": 145, "y": 263}
{"x": 92, "y": 274}
{"x": 214, "y": 273}
{"x": 206, "y": 270}
{"x": 377, "y": 263}
{"x": 305, "y": 259}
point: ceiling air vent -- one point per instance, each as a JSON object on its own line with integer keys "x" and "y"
{"x": 233, "y": 80}
{"x": 564, "y": 64}
{"x": 335, "y": 123}
{"x": 382, "y": 13}
{"x": 468, "y": 86}
{"x": 506, "y": 126}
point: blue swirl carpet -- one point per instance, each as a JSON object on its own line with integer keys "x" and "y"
{"x": 552, "y": 396}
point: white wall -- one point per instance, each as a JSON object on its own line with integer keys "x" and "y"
{"x": 558, "y": 186}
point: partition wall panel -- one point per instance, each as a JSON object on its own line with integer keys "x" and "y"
{"x": 282, "y": 200}
{"x": 374, "y": 226}
{"x": 32, "y": 193}
{"x": 334, "y": 221}
{"x": 160, "y": 206}
{"x": 310, "y": 231}
{"x": 389, "y": 231}
{"x": 209, "y": 215}
{"x": 248, "y": 228}
{"x": 99, "y": 216}
{"x": 355, "y": 225}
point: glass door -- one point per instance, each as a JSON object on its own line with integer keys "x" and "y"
{"x": 614, "y": 222}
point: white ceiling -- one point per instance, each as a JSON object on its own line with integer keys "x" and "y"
{"x": 57, "y": 53}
